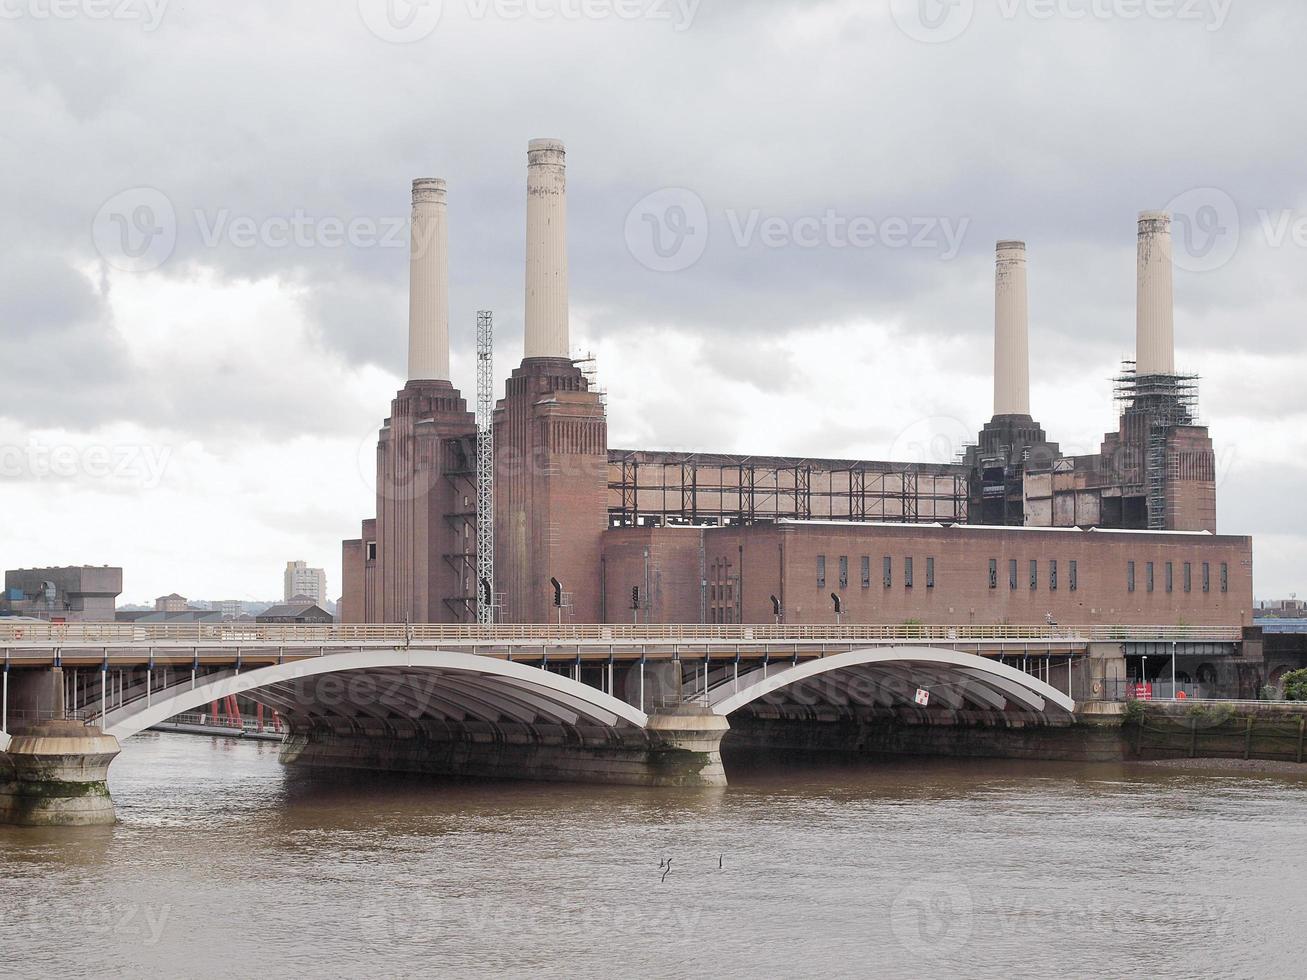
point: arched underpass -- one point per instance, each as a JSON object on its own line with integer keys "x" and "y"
{"x": 906, "y": 700}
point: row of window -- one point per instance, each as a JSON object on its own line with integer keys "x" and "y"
{"x": 886, "y": 572}
{"x": 1013, "y": 567}
{"x": 1187, "y": 575}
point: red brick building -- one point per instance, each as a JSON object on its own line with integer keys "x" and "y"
{"x": 1012, "y": 533}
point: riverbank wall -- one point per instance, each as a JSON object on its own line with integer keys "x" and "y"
{"x": 1100, "y": 732}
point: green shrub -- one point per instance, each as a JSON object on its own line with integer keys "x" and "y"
{"x": 1295, "y": 685}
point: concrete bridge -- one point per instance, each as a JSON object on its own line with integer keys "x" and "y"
{"x": 636, "y": 705}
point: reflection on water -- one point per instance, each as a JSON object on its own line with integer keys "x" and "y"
{"x": 225, "y": 863}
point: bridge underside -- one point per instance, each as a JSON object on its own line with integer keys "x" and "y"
{"x": 451, "y": 713}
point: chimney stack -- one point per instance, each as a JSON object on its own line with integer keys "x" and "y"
{"x": 1155, "y": 326}
{"x": 1011, "y": 332}
{"x": 428, "y": 283}
{"x": 546, "y": 250}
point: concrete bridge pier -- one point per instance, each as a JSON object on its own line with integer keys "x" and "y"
{"x": 687, "y": 743}
{"x": 53, "y": 769}
{"x": 55, "y": 775}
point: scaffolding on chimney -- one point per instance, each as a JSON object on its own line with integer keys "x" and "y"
{"x": 1152, "y": 405}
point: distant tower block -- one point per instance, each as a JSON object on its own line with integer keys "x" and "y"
{"x": 1155, "y": 337}
{"x": 1011, "y": 332}
{"x": 546, "y": 250}
{"x": 428, "y": 284}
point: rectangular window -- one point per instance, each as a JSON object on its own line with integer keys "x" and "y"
{"x": 1149, "y": 574}
{"x": 372, "y": 551}
{"x": 888, "y": 572}
{"x": 1225, "y": 577}
{"x": 907, "y": 573}
{"x": 1074, "y": 582}
{"x": 1052, "y": 575}
{"x": 1207, "y": 577}
{"x": 866, "y": 572}
{"x": 1188, "y": 576}
{"x": 930, "y": 573}
{"x": 844, "y": 571}
{"x": 821, "y": 571}
{"x": 1012, "y": 573}
{"x": 1170, "y": 576}
{"x": 993, "y": 573}
{"x": 1130, "y": 576}
{"x": 1034, "y": 575}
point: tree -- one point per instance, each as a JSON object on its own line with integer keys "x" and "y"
{"x": 1295, "y": 685}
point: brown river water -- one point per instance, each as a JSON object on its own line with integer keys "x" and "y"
{"x": 225, "y": 864}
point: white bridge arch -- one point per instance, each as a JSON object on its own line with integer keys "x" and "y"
{"x": 953, "y": 678}
{"x": 468, "y": 686}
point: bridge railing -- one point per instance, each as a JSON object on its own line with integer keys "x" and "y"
{"x": 84, "y": 634}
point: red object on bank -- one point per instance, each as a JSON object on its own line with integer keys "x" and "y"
{"x": 1143, "y": 692}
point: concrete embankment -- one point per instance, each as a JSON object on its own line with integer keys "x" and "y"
{"x": 1274, "y": 732}
{"x": 1100, "y": 732}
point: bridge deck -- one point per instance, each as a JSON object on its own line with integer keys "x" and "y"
{"x": 27, "y": 634}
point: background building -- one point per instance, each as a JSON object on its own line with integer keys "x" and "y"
{"x": 299, "y": 580}
{"x": 585, "y": 533}
{"x": 298, "y": 611}
{"x": 80, "y": 594}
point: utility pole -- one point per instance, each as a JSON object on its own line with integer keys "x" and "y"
{"x": 485, "y": 467}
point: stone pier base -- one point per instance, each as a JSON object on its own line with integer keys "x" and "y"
{"x": 689, "y": 742}
{"x": 675, "y": 750}
{"x": 53, "y": 775}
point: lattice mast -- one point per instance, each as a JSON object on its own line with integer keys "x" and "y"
{"x": 485, "y": 467}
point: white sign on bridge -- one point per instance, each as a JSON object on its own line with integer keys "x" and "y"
{"x": 923, "y": 697}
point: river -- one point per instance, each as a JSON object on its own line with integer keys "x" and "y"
{"x": 226, "y": 864}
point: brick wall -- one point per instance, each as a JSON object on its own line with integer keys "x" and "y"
{"x": 745, "y": 566}
{"x": 669, "y": 581}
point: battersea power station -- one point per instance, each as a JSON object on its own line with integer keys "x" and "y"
{"x": 1013, "y": 532}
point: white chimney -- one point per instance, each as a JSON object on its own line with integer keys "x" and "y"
{"x": 1155, "y": 326}
{"x": 546, "y": 250}
{"x": 1011, "y": 331}
{"x": 428, "y": 283}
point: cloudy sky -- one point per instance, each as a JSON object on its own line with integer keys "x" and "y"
{"x": 782, "y": 219}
